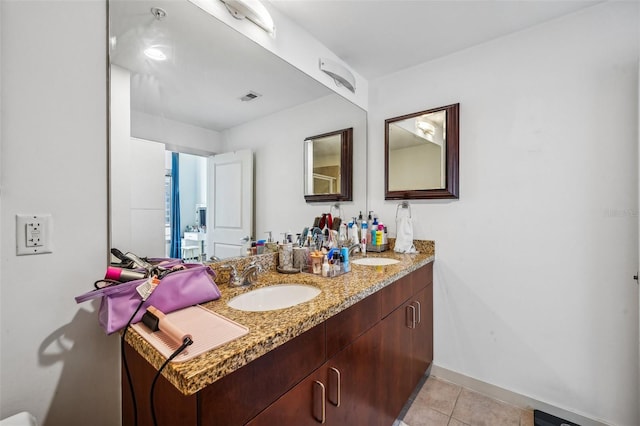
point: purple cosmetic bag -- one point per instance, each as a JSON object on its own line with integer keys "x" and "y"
{"x": 176, "y": 290}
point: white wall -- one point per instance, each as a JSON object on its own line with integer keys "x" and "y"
{"x": 534, "y": 263}
{"x": 278, "y": 143}
{"x": 55, "y": 360}
{"x": 177, "y": 136}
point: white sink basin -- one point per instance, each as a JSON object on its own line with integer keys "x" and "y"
{"x": 375, "y": 261}
{"x": 274, "y": 297}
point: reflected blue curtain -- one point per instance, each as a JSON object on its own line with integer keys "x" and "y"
{"x": 175, "y": 207}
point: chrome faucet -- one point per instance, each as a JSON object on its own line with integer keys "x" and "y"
{"x": 246, "y": 277}
{"x": 353, "y": 248}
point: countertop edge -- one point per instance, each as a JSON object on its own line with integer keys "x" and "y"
{"x": 189, "y": 380}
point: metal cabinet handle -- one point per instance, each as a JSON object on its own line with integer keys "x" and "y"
{"x": 411, "y": 316}
{"x": 320, "y": 417}
{"x": 334, "y": 391}
{"x": 419, "y": 311}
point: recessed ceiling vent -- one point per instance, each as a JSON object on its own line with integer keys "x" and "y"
{"x": 250, "y": 96}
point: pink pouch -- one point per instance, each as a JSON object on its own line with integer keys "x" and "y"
{"x": 176, "y": 290}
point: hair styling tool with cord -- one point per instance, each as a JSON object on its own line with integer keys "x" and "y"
{"x": 156, "y": 320}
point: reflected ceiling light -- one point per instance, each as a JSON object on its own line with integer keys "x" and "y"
{"x": 340, "y": 74}
{"x": 426, "y": 127}
{"x": 254, "y": 11}
{"x": 154, "y": 53}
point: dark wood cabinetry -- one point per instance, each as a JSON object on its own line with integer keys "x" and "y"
{"x": 358, "y": 368}
{"x": 341, "y": 392}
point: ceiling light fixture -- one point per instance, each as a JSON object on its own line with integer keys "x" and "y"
{"x": 426, "y": 127}
{"x": 154, "y": 53}
{"x": 340, "y": 74}
{"x": 254, "y": 11}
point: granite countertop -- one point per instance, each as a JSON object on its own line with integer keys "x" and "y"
{"x": 268, "y": 330}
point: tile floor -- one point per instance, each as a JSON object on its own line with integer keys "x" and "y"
{"x": 442, "y": 403}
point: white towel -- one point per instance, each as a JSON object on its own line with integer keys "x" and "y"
{"x": 404, "y": 236}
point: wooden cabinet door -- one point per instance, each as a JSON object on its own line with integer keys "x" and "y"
{"x": 344, "y": 391}
{"x": 304, "y": 405}
{"x": 396, "y": 363}
{"x": 239, "y": 396}
{"x": 354, "y": 377}
{"x": 422, "y": 334}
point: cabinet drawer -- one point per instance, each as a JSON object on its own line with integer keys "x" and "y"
{"x": 238, "y": 397}
{"x": 422, "y": 277}
{"x": 395, "y": 294}
{"x": 345, "y": 327}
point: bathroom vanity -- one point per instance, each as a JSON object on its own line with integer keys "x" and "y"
{"x": 352, "y": 355}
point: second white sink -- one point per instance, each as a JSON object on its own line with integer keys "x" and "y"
{"x": 375, "y": 261}
{"x": 274, "y": 297}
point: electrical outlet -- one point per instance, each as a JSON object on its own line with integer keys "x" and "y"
{"x": 33, "y": 234}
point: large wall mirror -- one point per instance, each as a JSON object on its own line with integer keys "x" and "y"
{"x": 421, "y": 154}
{"x": 327, "y": 166}
{"x": 205, "y": 125}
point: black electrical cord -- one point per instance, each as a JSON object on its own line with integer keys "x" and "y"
{"x": 187, "y": 341}
{"x": 126, "y": 366}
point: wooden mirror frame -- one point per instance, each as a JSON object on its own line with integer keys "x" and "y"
{"x": 450, "y": 189}
{"x": 346, "y": 168}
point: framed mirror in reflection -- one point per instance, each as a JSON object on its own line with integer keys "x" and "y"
{"x": 421, "y": 154}
{"x": 327, "y": 166}
{"x": 230, "y": 111}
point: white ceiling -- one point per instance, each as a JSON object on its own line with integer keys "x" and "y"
{"x": 209, "y": 67}
{"x": 379, "y": 37}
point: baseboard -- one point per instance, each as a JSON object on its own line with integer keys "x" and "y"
{"x": 512, "y": 398}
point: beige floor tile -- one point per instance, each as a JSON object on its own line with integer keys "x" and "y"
{"x": 526, "y": 418}
{"x": 420, "y": 415}
{"x": 456, "y": 422}
{"x": 479, "y": 410}
{"x": 439, "y": 395}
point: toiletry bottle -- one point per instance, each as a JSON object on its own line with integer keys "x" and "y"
{"x": 325, "y": 267}
{"x": 344, "y": 254}
{"x": 380, "y": 235}
{"x": 335, "y": 267}
{"x": 355, "y": 239}
{"x": 369, "y": 226}
{"x": 363, "y": 240}
{"x": 374, "y": 231}
{"x": 342, "y": 235}
{"x": 385, "y": 237}
{"x": 360, "y": 221}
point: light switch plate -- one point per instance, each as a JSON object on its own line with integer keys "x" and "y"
{"x": 33, "y": 234}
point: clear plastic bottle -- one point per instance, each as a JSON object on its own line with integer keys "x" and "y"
{"x": 325, "y": 267}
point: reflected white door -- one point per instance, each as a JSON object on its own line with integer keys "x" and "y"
{"x": 230, "y": 196}
{"x": 137, "y": 198}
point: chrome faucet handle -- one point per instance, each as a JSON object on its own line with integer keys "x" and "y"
{"x": 250, "y": 274}
{"x": 233, "y": 275}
